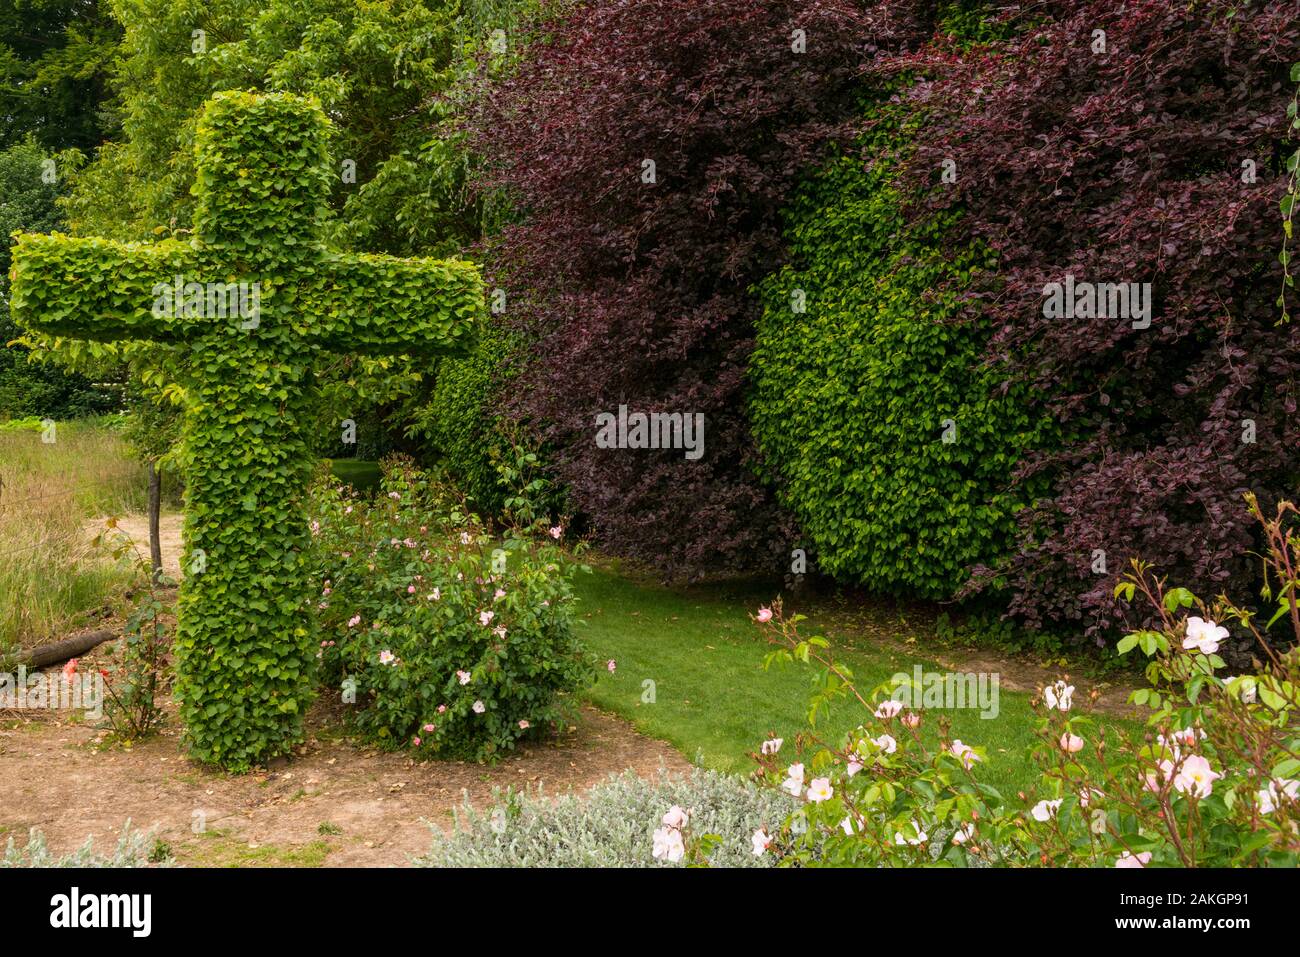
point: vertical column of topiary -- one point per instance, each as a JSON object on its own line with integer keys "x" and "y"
{"x": 249, "y": 301}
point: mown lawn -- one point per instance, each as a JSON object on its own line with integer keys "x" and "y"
{"x": 362, "y": 474}
{"x": 714, "y": 701}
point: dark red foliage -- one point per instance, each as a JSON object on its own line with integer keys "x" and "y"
{"x": 1126, "y": 166}
{"x": 639, "y": 293}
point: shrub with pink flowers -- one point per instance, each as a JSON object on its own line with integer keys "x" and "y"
{"x": 1212, "y": 780}
{"x": 443, "y": 639}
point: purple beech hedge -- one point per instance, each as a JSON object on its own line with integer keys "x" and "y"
{"x": 1117, "y": 164}
{"x": 638, "y": 293}
{"x": 1159, "y": 160}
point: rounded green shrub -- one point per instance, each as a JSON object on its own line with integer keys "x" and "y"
{"x": 884, "y": 432}
{"x": 447, "y": 642}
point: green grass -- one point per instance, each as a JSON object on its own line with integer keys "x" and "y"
{"x": 361, "y": 474}
{"x": 716, "y": 703}
{"x": 216, "y": 848}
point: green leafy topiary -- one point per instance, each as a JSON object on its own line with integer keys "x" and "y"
{"x": 244, "y": 644}
{"x": 460, "y": 421}
{"x": 876, "y": 418}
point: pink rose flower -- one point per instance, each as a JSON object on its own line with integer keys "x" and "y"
{"x": 889, "y": 708}
{"x": 668, "y": 844}
{"x": 964, "y": 753}
{"x": 1071, "y": 743}
{"x": 676, "y": 817}
{"x": 1203, "y": 636}
{"x": 1196, "y": 777}
{"x": 820, "y": 790}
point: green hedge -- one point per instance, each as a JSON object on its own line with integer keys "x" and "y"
{"x": 460, "y": 425}
{"x": 851, "y": 398}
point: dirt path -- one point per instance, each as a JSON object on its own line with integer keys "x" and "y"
{"x": 136, "y": 526}
{"x": 335, "y": 804}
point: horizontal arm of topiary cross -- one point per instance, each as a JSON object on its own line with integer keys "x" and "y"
{"x": 97, "y": 289}
{"x": 380, "y": 305}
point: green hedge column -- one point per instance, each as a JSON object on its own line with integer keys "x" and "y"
{"x": 266, "y": 298}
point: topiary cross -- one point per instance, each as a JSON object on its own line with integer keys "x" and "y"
{"x": 249, "y": 303}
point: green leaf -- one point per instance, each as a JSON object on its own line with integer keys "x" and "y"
{"x": 1177, "y": 598}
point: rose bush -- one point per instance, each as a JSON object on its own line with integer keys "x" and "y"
{"x": 1212, "y": 780}
{"x": 447, "y": 640}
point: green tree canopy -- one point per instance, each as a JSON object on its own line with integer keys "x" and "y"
{"x": 54, "y": 59}
{"x": 30, "y": 184}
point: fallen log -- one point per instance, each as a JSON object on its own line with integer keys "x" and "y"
{"x": 42, "y": 656}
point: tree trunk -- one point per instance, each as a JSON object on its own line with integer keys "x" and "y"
{"x": 42, "y": 656}
{"x": 155, "y": 507}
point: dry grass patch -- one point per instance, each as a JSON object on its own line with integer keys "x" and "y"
{"x": 49, "y": 573}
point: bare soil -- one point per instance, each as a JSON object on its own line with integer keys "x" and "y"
{"x": 136, "y": 527}
{"x": 334, "y": 803}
